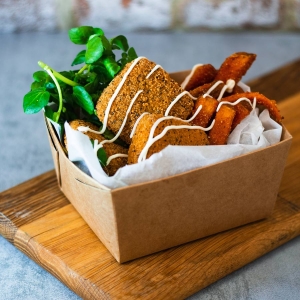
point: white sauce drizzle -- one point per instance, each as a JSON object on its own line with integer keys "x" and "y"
{"x": 115, "y": 156}
{"x": 254, "y": 104}
{"x": 195, "y": 114}
{"x": 153, "y": 70}
{"x": 136, "y": 123}
{"x": 151, "y": 141}
{"x": 156, "y": 123}
{"x": 230, "y": 83}
{"x": 187, "y": 79}
{"x": 98, "y": 145}
{"x": 227, "y": 87}
{"x": 124, "y": 121}
{"x": 151, "y": 134}
{"x": 238, "y": 101}
{"x": 96, "y": 148}
{"x": 146, "y": 113}
{"x": 176, "y": 100}
{"x": 207, "y": 94}
{"x": 234, "y": 103}
{"x": 107, "y": 110}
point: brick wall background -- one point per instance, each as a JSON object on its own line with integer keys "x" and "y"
{"x": 154, "y": 15}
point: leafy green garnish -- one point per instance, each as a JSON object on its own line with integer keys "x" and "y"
{"x": 83, "y": 99}
{"x": 70, "y": 95}
{"x": 49, "y": 112}
{"x": 119, "y": 42}
{"x": 80, "y": 35}
{"x": 101, "y": 155}
{"x": 94, "y": 50}
{"x": 79, "y": 59}
{"x": 75, "y": 93}
{"x": 35, "y": 100}
{"x": 41, "y": 77}
{"x": 111, "y": 66}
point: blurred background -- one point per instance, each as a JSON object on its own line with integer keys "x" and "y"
{"x": 150, "y": 15}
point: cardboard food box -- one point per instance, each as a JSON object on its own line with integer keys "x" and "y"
{"x": 141, "y": 219}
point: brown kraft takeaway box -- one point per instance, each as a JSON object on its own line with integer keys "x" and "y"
{"x": 141, "y": 219}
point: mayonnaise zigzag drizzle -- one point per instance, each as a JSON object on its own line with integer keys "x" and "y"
{"x": 112, "y": 99}
{"x": 238, "y": 101}
{"x": 228, "y": 87}
{"x": 109, "y": 159}
{"x": 187, "y": 79}
{"x": 177, "y": 99}
{"x": 151, "y": 141}
{"x": 153, "y": 70}
{"x": 136, "y": 123}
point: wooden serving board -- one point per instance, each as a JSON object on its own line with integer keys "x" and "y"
{"x": 37, "y": 218}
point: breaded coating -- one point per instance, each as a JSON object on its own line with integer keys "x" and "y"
{"x": 241, "y": 112}
{"x": 158, "y": 91}
{"x": 203, "y": 89}
{"x": 218, "y": 135}
{"x": 201, "y": 74}
{"x": 109, "y": 148}
{"x": 209, "y": 106}
{"x": 180, "y": 136}
{"x": 141, "y": 136}
{"x": 271, "y": 105}
{"x": 235, "y": 66}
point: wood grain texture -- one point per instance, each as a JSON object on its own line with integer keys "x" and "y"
{"x": 279, "y": 84}
{"x": 37, "y": 218}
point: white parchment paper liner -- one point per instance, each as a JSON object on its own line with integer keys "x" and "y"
{"x": 253, "y": 133}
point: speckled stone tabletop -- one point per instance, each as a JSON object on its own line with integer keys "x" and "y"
{"x": 25, "y": 153}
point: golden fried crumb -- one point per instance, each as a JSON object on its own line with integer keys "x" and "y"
{"x": 159, "y": 90}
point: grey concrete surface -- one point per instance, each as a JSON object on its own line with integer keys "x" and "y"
{"x": 24, "y": 151}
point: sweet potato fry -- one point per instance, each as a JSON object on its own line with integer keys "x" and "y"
{"x": 218, "y": 135}
{"x": 260, "y": 99}
{"x": 209, "y": 106}
{"x": 200, "y": 74}
{"x": 235, "y": 66}
{"x": 200, "y": 90}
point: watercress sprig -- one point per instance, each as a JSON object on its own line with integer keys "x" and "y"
{"x": 55, "y": 115}
{"x": 70, "y": 95}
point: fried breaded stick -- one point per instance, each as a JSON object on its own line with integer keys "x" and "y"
{"x": 203, "y": 89}
{"x": 235, "y": 66}
{"x": 271, "y": 105}
{"x": 200, "y": 74}
{"x": 209, "y": 106}
{"x": 241, "y": 112}
{"x": 218, "y": 135}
